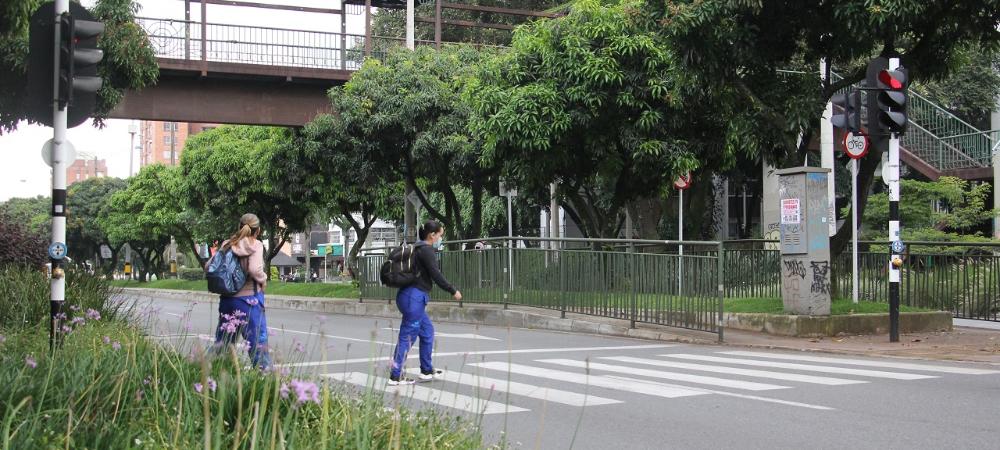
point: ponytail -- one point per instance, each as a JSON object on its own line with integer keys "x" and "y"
{"x": 429, "y": 228}
{"x": 249, "y": 228}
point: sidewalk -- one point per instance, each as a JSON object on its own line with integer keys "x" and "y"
{"x": 962, "y": 344}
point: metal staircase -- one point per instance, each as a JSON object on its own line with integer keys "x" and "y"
{"x": 938, "y": 143}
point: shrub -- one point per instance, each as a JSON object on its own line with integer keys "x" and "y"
{"x": 21, "y": 246}
{"x": 191, "y": 274}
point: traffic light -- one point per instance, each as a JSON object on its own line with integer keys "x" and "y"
{"x": 849, "y": 105}
{"x": 891, "y": 99}
{"x": 75, "y": 82}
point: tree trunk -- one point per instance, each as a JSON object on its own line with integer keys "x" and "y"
{"x": 866, "y": 175}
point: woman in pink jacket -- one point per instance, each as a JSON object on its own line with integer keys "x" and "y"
{"x": 244, "y": 312}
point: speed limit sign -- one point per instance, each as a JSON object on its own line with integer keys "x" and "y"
{"x": 683, "y": 182}
{"x": 856, "y": 145}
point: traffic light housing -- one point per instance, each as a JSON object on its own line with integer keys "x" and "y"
{"x": 892, "y": 98}
{"x": 75, "y": 82}
{"x": 849, "y": 105}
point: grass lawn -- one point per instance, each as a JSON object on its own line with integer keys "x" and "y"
{"x": 838, "y": 307}
{"x": 326, "y": 290}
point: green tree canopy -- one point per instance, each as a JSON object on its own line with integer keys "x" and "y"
{"x": 407, "y": 114}
{"x": 592, "y": 101}
{"x": 762, "y": 58}
{"x": 229, "y": 172}
{"x": 32, "y": 212}
{"x": 86, "y": 202}
{"x": 129, "y": 61}
{"x": 948, "y": 206}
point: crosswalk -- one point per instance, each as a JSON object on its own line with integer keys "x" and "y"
{"x": 494, "y": 387}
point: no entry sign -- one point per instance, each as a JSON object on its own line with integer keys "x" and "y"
{"x": 856, "y": 145}
{"x": 683, "y": 182}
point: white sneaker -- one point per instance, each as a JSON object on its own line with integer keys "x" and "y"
{"x": 431, "y": 375}
{"x": 401, "y": 380}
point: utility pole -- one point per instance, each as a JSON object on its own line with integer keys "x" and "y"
{"x": 173, "y": 137}
{"x": 409, "y": 209}
{"x": 132, "y": 129}
{"x": 826, "y": 153}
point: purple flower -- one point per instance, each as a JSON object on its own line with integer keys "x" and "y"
{"x": 146, "y": 381}
{"x": 283, "y": 390}
{"x": 92, "y": 314}
{"x": 198, "y": 387}
{"x": 300, "y": 347}
{"x": 116, "y": 345}
{"x": 322, "y": 319}
{"x": 211, "y": 384}
{"x": 74, "y": 308}
{"x": 107, "y": 340}
{"x": 78, "y": 321}
{"x": 30, "y": 362}
{"x": 305, "y": 391}
{"x": 61, "y": 316}
{"x": 66, "y": 329}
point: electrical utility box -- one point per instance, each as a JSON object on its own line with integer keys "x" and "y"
{"x": 805, "y": 240}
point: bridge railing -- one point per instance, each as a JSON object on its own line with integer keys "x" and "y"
{"x": 269, "y": 46}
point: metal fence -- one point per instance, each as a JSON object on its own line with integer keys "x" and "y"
{"x": 652, "y": 282}
{"x": 963, "y": 278}
{"x": 639, "y": 281}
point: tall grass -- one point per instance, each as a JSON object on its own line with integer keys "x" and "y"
{"x": 24, "y": 296}
{"x": 109, "y": 387}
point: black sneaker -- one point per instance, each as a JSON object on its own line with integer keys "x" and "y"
{"x": 428, "y": 376}
{"x": 400, "y": 380}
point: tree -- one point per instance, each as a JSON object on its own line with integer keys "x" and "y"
{"x": 946, "y": 207}
{"x": 129, "y": 61}
{"x": 33, "y": 213}
{"x": 407, "y": 114}
{"x": 971, "y": 89}
{"x": 86, "y": 202}
{"x": 762, "y": 59}
{"x": 587, "y": 100}
{"x": 136, "y": 216}
{"x": 21, "y": 246}
{"x": 230, "y": 171}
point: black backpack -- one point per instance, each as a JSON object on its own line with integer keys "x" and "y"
{"x": 400, "y": 271}
{"x": 225, "y": 274}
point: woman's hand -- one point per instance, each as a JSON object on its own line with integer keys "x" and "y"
{"x": 457, "y": 296}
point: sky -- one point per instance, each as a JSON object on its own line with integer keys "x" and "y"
{"x": 24, "y": 174}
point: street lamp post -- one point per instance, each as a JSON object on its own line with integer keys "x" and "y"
{"x": 132, "y": 130}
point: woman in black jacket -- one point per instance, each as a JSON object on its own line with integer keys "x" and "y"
{"x": 412, "y": 303}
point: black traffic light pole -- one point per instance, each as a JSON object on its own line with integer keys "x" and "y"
{"x": 894, "y": 225}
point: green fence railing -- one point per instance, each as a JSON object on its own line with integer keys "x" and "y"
{"x": 639, "y": 281}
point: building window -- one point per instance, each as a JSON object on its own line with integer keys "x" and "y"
{"x": 170, "y": 126}
{"x": 166, "y": 155}
{"x": 167, "y": 140}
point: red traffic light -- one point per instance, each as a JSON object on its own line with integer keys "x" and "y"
{"x": 893, "y": 79}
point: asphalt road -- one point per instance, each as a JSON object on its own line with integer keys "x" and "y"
{"x": 551, "y": 390}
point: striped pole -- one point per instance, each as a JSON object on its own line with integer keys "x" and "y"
{"x": 894, "y": 234}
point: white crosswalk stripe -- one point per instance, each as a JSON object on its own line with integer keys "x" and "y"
{"x": 866, "y": 363}
{"x": 429, "y": 395}
{"x": 675, "y": 376}
{"x": 803, "y": 367}
{"x": 528, "y": 390}
{"x": 592, "y": 380}
{"x": 813, "y": 379}
{"x": 733, "y": 394}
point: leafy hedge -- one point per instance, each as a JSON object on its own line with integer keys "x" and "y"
{"x": 21, "y": 246}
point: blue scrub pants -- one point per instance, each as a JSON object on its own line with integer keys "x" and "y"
{"x": 254, "y": 328}
{"x": 412, "y": 303}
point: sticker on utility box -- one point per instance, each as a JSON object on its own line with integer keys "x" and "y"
{"x": 791, "y": 212}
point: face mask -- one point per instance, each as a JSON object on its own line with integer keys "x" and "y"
{"x": 439, "y": 244}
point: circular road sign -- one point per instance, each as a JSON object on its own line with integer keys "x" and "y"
{"x": 683, "y": 182}
{"x": 856, "y": 145}
{"x": 57, "y": 250}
